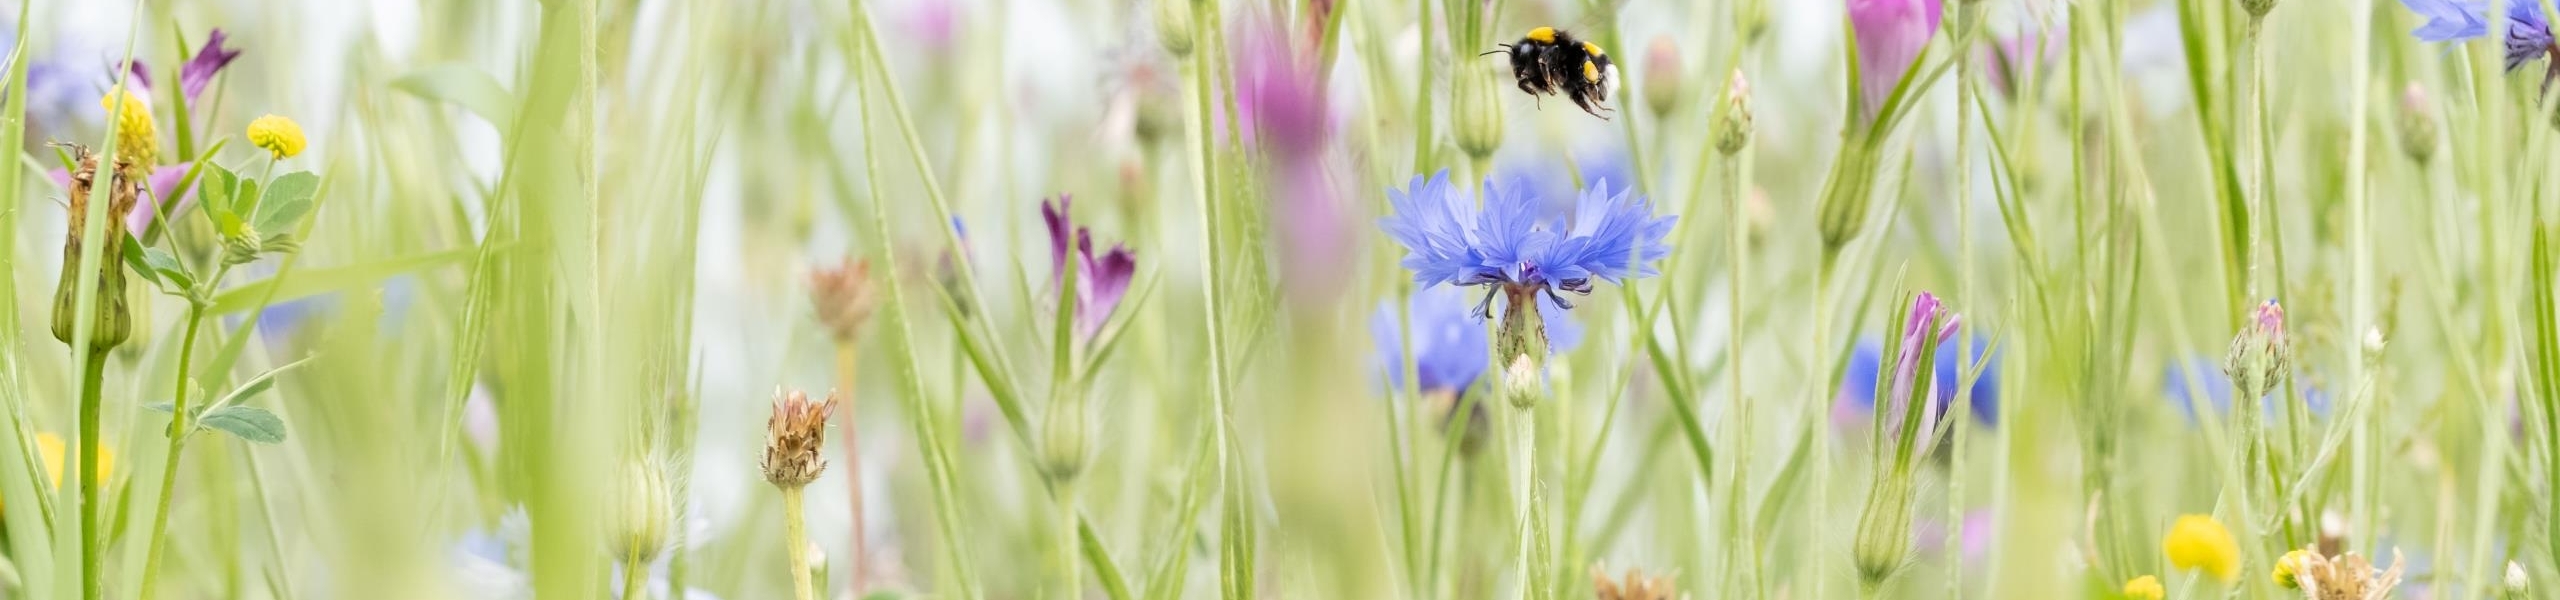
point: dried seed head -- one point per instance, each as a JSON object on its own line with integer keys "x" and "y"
{"x": 111, "y": 324}
{"x": 793, "y": 436}
{"x": 2346, "y": 577}
{"x": 1635, "y": 585}
{"x": 843, "y": 297}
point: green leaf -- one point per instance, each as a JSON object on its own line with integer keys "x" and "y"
{"x": 287, "y": 199}
{"x": 166, "y": 265}
{"x": 320, "y": 281}
{"x": 253, "y": 387}
{"x": 461, "y": 84}
{"x": 248, "y": 423}
{"x": 244, "y": 198}
{"x": 134, "y": 259}
{"x": 162, "y": 408}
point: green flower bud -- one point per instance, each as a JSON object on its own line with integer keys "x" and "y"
{"x": 1883, "y": 543}
{"x": 1173, "y": 26}
{"x": 1733, "y": 122}
{"x": 242, "y": 249}
{"x": 2256, "y": 362}
{"x": 1066, "y": 440}
{"x": 2417, "y": 117}
{"x": 645, "y": 516}
{"x": 1477, "y": 115}
{"x": 1521, "y": 385}
{"x": 2258, "y": 9}
{"x": 1665, "y": 89}
{"x": 111, "y": 323}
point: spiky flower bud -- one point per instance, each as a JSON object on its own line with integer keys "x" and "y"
{"x": 1733, "y": 121}
{"x": 2417, "y": 117}
{"x": 793, "y": 436}
{"x": 1173, "y": 27}
{"x": 2257, "y": 360}
{"x": 1665, "y": 87}
{"x": 843, "y": 298}
{"x": 110, "y": 323}
{"x": 645, "y": 515}
{"x": 1476, "y": 118}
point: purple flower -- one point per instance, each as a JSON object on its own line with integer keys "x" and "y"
{"x": 2528, "y": 29}
{"x": 1278, "y": 92}
{"x": 1930, "y": 324}
{"x": 1513, "y": 246}
{"x": 1101, "y": 282}
{"x": 209, "y": 61}
{"x": 2528, "y": 32}
{"x": 1857, "y": 397}
{"x": 1890, "y": 35}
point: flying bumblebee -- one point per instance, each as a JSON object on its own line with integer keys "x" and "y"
{"x": 1549, "y": 61}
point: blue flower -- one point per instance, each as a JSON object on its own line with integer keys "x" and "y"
{"x": 2528, "y": 29}
{"x": 1514, "y": 247}
{"x": 1858, "y": 382}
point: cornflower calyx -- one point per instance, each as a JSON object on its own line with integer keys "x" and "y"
{"x": 793, "y": 436}
{"x": 2259, "y": 356}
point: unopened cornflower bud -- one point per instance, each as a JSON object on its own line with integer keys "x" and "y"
{"x": 2256, "y": 362}
{"x": 1173, "y": 27}
{"x": 1665, "y": 87}
{"x": 2145, "y": 588}
{"x": 2417, "y": 117}
{"x": 1732, "y": 128}
{"x": 111, "y": 323}
{"x": 645, "y": 514}
{"x": 793, "y": 436}
{"x": 1476, "y": 117}
{"x": 843, "y": 297}
{"x": 1521, "y": 385}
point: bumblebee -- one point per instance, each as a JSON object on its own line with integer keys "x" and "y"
{"x": 1550, "y": 61}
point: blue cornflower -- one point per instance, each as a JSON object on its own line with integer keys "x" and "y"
{"x": 2528, "y": 28}
{"x": 1448, "y": 343}
{"x": 1518, "y": 250}
{"x": 1858, "y": 389}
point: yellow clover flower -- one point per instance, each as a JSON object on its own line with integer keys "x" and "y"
{"x": 2145, "y": 588}
{"x": 278, "y": 135}
{"x": 134, "y": 134}
{"x": 2198, "y": 542}
{"x": 2289, "y": 568}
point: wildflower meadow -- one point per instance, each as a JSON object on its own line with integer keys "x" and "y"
{"x": 1280, "y": 299}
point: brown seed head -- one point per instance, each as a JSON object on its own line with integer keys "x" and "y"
{"x": 1633, "y": 586}
{"x": 2345, "y": 577}
{"x": 843, "y": 297}
{"x": 110, "y": 322}
{"x": 793, "y": 437}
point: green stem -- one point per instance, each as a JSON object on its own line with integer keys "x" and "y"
{"x": 91, "y": 380}
{"x": 796, "y": 542}
{"x": 1524, "y": 445}
{"x": 633, "y": 580}
{"x": 1071, "y": 574}
{"x": 1738, "y": 493}
{"x": 178, "y": 428}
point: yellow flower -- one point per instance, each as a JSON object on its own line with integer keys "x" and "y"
{"x": 2201, "y": 543}
{"x": 2290, "y": 567}
{"x": 134, "y": 136}
{"x": 278, "y": 135}
{"x": 53, "y": 447}
{"x": 2144, "y": 588}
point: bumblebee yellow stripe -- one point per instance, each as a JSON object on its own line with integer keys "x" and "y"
{"x": 1592, "y": 49}
{"x": 1543, "y": 35}
{"x": 1590, "y": 71}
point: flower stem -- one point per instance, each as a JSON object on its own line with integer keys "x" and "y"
{"x": 1524, "y": 444}
{"x": 179, "y": 426}
{"x": 796, "y": 542}
{"x": 633, "y": 580}
{"x": 91, "y": 379}
{"x": 1737, "y": 526}
{"x": 847, "y": 356}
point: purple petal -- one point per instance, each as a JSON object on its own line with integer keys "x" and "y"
{"x": 199, "y": 71}
{"x": 2528, "y": 32}
{"x": 2448, "y": 20}
{"x": 1890, "y": 36}
{"x": 1108, "y": 285}
{"x": 1056, "y": 216}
